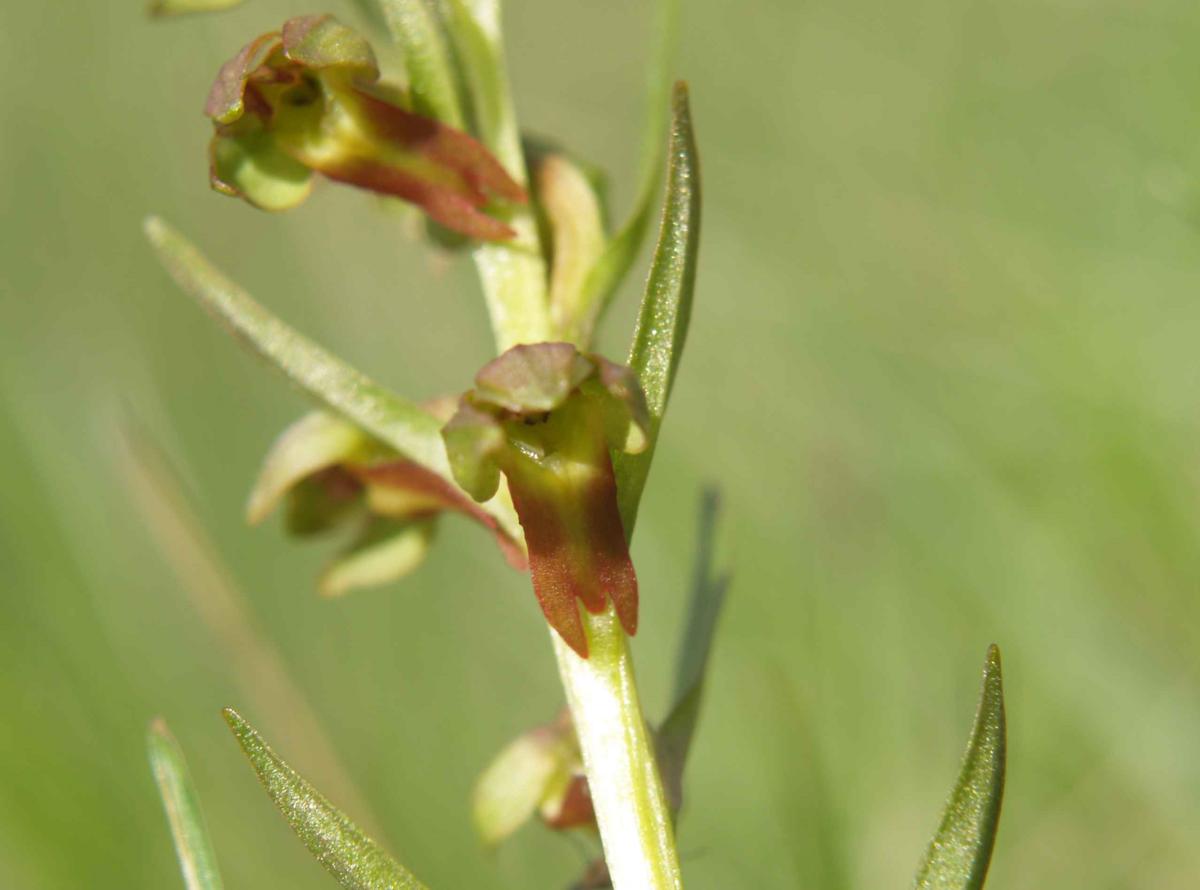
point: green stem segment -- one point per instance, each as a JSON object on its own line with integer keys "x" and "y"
{"x": 627, "y": 791}
{"x": 618, "y": 755}
{"x": 513, "y": 273}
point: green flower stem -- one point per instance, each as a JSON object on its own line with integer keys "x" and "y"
{"x": 618, "y": 755}
{"x": 513, "y": 273}
{"x": 514, "y": 286}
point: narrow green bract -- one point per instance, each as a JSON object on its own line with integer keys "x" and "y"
{"x": 402, "y": 424}
{"x": 612, "y": 266}
{"x": 354, "y": 859}
{"x": 674, "y": 739}
{"x": 197, "y": 860}
{"x": 415, "y": 27}
{"x": 473, "y": 27}
{"x": 959, "y": 854}
{"x": 390, "y": 418}
{"x": 667, "y": 305}
{"x": 384, "y": 551}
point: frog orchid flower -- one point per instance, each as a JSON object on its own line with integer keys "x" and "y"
{"x": 327, "y": 472}
{"x": 306, "y": 99}
{"x": 546, "y": 416}
{"x": 539, "y": 773}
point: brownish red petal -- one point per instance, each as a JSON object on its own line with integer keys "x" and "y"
{"x": 411, "y": 477}
{"x": 450, "y": 208}
{"x": 449, "y": 148}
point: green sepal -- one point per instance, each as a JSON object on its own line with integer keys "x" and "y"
{"x": 961, "y": 850}
{"x": 354, "y": 860}
{"x": 314, "y": 42}
{"x": 473, "y": 437}
{"x": 247, "y": 162}
{"x": 321, "y": 502}
{"x": 662, "y": 324}
{"x": 197, "y": 861}
{"x": 321, "y": 42}
{"x": 315, "y": 442}
{"x": 385, "y": 551}
{"x": 431, "y": 76}
{"x": 532, "y": 378}
{"x": 400, "y": 489}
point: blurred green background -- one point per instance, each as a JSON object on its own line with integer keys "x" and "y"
{"x": 943, "y": 365}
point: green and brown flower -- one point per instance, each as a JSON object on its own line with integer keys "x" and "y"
{"x": 307, "y": 99}
{"x": 539, "y": 773}
{"x": 328, "y": 473}
{"x": 546, "y": 416}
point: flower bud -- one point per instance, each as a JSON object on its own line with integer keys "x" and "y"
{"x": 539, "y": 773}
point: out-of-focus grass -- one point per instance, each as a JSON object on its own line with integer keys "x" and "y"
{"x": 943, "y": 364}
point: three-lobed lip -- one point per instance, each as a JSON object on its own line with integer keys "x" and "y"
{"x": 546, "y": 417}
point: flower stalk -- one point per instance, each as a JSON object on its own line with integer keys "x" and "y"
{"x": 618, "y": 755}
